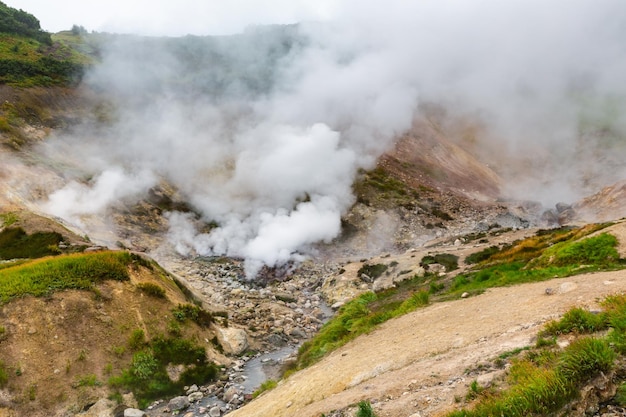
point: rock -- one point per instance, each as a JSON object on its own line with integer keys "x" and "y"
{"x": 230, "y": 394}
{"x": 465, "y": 295}
{"x": 178, "y": 403}
{"x": 215, "y": 412}
{"x": 133, "y": 412}
{"x": 191, "y": 389}
{"x": 549, "y": 291}
{"x": 102, "y": 408}
{"x": 233, "y": 340}
{"x": 195, "y": 396}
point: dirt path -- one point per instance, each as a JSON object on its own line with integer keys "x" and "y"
{"x": 415, "y": 365}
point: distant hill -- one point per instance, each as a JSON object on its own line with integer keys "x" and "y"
{"x": 19, "y": 22}
{"x": 29, "y": 56}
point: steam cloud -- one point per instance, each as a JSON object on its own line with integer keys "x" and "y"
{"x": 264, "y": 132}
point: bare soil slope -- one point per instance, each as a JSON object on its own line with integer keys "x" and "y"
{"x": 418, "y": 363}
{"x": 52, "y": 346}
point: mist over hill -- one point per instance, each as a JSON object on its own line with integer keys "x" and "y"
{"x": 264, "y": 132}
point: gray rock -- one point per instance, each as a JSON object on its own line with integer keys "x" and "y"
{"x": 193, "y": 388}
{"x": 178, "y": 403}
{"x": 230, "y": 394}
{"x": 233, "y": 340}
{"x": 215, "y": 412}
{"x": 133, "y": 412}
{"x": 195, "y": 396}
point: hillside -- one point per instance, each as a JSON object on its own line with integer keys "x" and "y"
{"x": 422, "y": 364}
{"x": 193, "y": 216}
{"x": 61, "y": 347}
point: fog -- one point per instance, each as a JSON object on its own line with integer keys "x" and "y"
{"x": 264, "y": 132}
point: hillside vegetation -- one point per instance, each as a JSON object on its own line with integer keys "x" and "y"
{"x": 29, "y": 56}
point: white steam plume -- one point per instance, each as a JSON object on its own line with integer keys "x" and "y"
{"x": 264, "y": 132}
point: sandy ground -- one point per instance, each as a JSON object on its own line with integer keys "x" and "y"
{"x": 416, "y": 365}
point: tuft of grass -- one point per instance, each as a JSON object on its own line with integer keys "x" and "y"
{"x": 90, "y": 380}
{"x": 151, "y": 289}
{"x": 268, "y": 385}
{"x": 137, "y": 340}
{"x": 576, "y": 320}
{"x": 365, "y": 409}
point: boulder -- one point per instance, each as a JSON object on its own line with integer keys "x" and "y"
{"x": 178, "y": 403}
{"x": 233, "y": 340}
{"x": 133, "y": 412}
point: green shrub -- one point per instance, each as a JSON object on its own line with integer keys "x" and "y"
{"x": 372, "y": 271}
{"x": 144, "y": 365}
{"x": 448, "y": 260}
{"x": 147, "y": 377}
{"x": 8, "y": 219}
{"x": 194, "y": 313}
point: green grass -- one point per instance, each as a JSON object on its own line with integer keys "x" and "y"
{"x": 8, "y": 219}
{"x": 357, "y": 317}
{"x": 270, "y": 384}
{"x": 576, "y": 320}
{"x": 557, "y": 253}
{"x": 45, "y": 276}
{"x": 90, "y": 380}
{"x": 561, "y": 259}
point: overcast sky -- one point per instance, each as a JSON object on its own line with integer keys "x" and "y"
{"x": 172, "y": 18}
